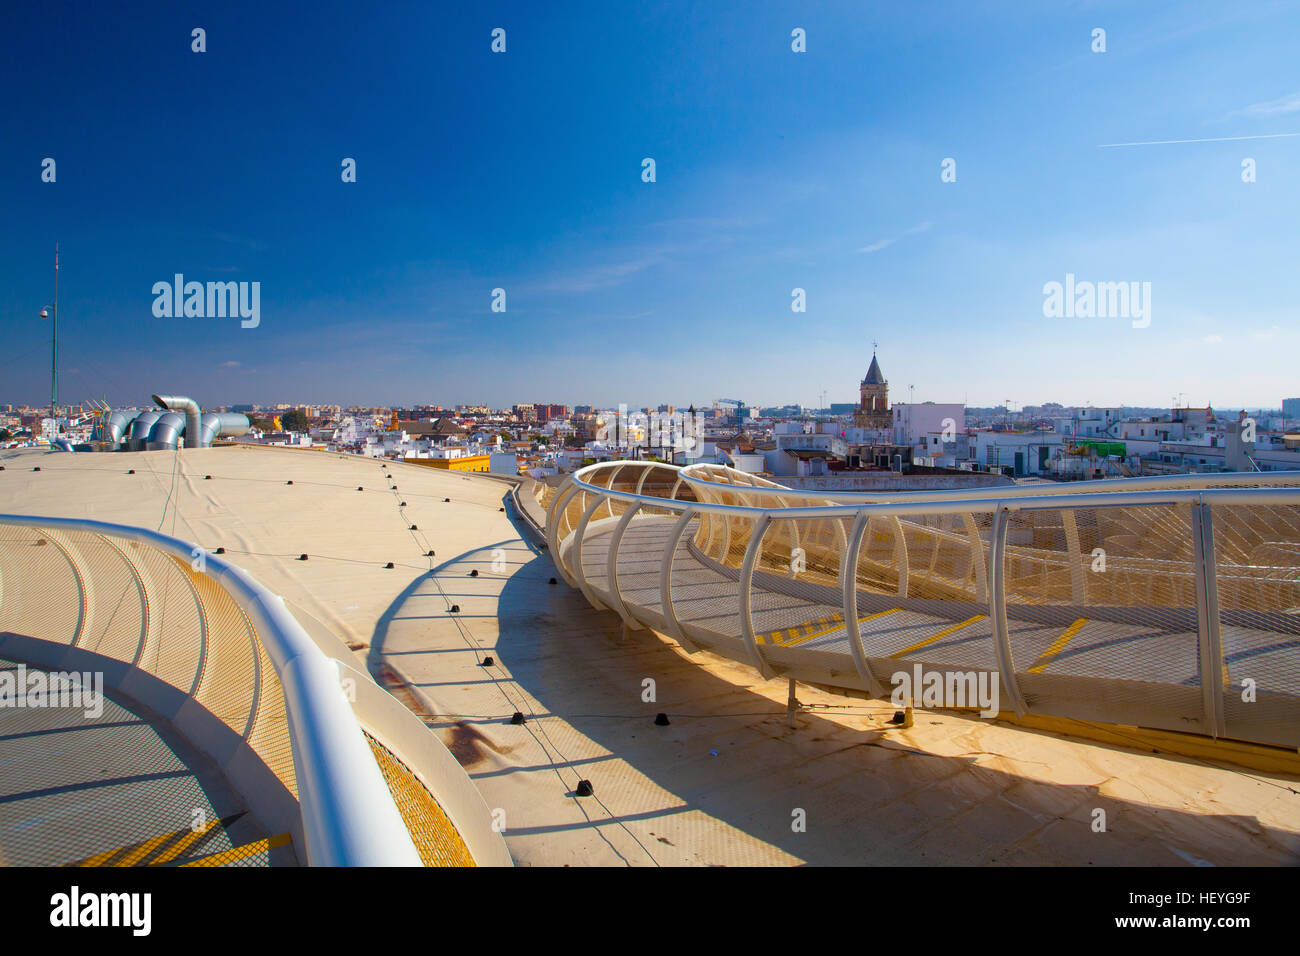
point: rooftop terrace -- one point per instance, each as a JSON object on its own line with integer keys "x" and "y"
{"x": 720, "y": 785}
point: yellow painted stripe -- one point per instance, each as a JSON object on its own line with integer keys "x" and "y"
{"x": 808, "y": 637}
{"x": 1256, "y": 756}
{"x": 1058, "y": 645}
{"x": 934, "y": 637}
{"x": 793, "y": 632}
{"x": 133, "y": 853}
{"x": 99, "y": 859}
{"x": 831, "y": 630}
{"x": 184, "y": 843}
{"x": 144, "y": 849}
{"x": 240, "y": 852}
{"x": 136, "y": 854}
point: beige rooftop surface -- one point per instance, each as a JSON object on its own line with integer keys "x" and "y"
{"x": 728, "y": 782}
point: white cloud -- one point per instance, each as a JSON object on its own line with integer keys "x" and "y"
{"x": 1211, "y": 339}
{"x": 231, "y": 364}
{"x": 877, "y": 246}
{"x": 883, "y": 243}
{"x": 1283, "y": 104}
{"x": 599, "y": 277}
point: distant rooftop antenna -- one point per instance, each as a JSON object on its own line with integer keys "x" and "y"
{"x": 54, "y": 347}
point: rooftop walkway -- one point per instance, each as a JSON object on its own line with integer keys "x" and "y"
{"x": 725, "y": 782}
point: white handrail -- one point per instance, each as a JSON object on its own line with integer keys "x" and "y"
{"x": 992, "y": 500}
{"x": 348, "y": 814}
{"x": 698, "y": 474}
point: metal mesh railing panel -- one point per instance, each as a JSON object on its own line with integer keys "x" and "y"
{"x": 797, "y": 600}
{"x": 174, "y": 649}
{"x": 123, "y": 593}
{"x": 435, "y": 837}
{"x": 51, "y": 611}
{"x": 640, "y": 557}
{"x": 1102, "y": 613}
{"x": 149, "y": 608}
{"x": 1257, "y": 583}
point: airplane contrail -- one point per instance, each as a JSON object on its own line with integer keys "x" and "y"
{"x": 1216, "y": 139}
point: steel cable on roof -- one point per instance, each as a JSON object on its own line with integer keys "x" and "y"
{"x": 463, "y": 630}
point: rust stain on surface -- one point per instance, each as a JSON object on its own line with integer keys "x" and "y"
{"x": 467, "y": 744}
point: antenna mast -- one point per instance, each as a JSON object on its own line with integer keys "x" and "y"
{"x": 54, "y": 352}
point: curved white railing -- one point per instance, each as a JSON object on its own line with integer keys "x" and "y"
{"x": 707, "y": 476}
{"x": 349, "y": 817}
{"x": 1186, "y": 588}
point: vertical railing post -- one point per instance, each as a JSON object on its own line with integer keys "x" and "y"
{"x": 900, "y": 556}
{"x": 613, "y": 473}
{"x": 561, "y": 501}
{"x": 794, "y": 530}
{"x": 1208, "y": 631}
{"x": 840, "y": 538}
{"x": 666, "y": 579}
{"x": 998, "y": 610}
{"x": 725, "y": 548}
{"x": 576, "y": 550}
{"x": 1074, "y": 555}
{"x": 977, "y": 557}
{"x": 611, "y": 568}
{"x": 746, "y": 596}
{"x": 849, "y": 582}
{"x": 566, "y": 484}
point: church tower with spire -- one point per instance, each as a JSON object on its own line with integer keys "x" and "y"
{"x": 873, "y": 406}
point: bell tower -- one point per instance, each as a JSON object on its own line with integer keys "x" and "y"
{"x": 873, "y": 404}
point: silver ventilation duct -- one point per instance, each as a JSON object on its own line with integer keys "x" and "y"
{"x": 166, "y": 432}
{"x": 163, "y": 428}
{"x": 114, "y": 428}
{"x": 221, "y": 424}
{"x": 178, "y": 403}
{"x": 139, "y": 433}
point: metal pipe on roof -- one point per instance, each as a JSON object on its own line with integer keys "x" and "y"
{"x": 140, "y": 425}
{"x": 163, "y": 427}
{"x": 179, "y": 403}
{"x": 115, "y": 426}
{"x": 166, "y": 432}
{"x": 219, "y": 425}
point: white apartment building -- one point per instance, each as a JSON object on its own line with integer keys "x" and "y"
{"x": 929, "y": 428}
{"x": 752, "y": 463}
{"x": 1027, "y": 453}
{"x": 1090, "y": 423}
{"x": 798, "y": 448}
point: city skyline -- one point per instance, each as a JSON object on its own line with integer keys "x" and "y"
{"x": 775, "y": 171}
{"x": 718, "y": 435}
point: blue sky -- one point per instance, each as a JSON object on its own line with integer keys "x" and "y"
{"x": 775, "y": 170}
